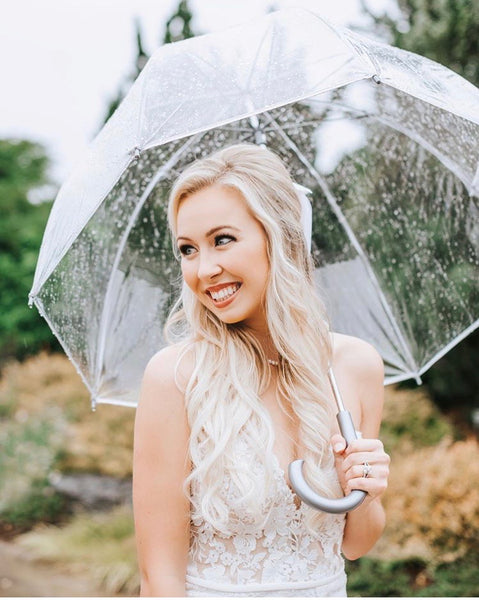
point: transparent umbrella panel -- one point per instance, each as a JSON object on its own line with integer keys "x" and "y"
{"x": 395, "y": 235}
{"x": 386, "y": 141}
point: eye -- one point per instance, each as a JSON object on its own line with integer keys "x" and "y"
{"x": 186, "y": 249}
{"x": 223, "y": 239}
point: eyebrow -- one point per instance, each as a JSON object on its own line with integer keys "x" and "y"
{"x": 211, "y": 231}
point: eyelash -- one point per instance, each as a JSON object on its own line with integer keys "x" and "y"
{"x": 185, "y": 247}
{"x": 222, "y": 236}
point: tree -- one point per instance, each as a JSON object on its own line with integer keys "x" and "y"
{"x": 178, "y": 27}
{"x": 23, "y": 168}
{"x": 446, "y": 31}
{"x": 140, "y": 61}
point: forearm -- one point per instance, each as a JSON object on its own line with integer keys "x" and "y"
{"x": 363, "y": 528}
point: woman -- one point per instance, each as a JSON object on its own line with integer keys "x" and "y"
{"x": 225, "y": 410}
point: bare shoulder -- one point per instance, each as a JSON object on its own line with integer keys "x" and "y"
{"x": 161, "y": 423}
{"x": 359, "y": 368}
{"x": 359, "y": 357}
{"x": 167, "y": 373}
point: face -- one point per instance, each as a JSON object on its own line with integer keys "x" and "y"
{"x": 223, "y": 255}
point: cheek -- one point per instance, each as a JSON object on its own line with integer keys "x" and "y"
{"x": 188, "y": 274}
{"x": 258, "y": 257}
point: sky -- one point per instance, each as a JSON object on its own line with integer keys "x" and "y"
{"x": 61, "y": 61}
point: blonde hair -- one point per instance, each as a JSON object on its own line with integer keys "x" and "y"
{"x": 231, "y": 370}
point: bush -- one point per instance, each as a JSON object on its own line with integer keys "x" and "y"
{"x": 30, "y": 448}
{"x": 98, "y": 442}
{"x": 432, "y": 503}
{"x": 412, "y": 578}
{"x": 412, "y": 421}
{"x": 40, "y": 504}
{"x": 370, "y": 577}
{"x": 23, "y": 170}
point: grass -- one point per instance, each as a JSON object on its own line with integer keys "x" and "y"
{"x": 98, "y": 545}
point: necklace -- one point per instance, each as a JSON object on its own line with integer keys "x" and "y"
{"x": 273, "y": 363}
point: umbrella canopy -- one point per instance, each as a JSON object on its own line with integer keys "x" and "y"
{"x": 386, "y": 141}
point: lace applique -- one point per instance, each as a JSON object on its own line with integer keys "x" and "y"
{"x": 283, "y": 551}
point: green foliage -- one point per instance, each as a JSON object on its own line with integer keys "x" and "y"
{"x": 412, "y": 421}
{"x": 140, "y": 61}
{"x": 412, "y": 578}
{"x": 23, "y": 167}
{"x": 41, "y": 505}
{"x": 457, "y": 579}
{"x": 369, "y": 577}
{"x": 178, "y": 26}
{"x": 114, "y": 568}
{"x": 446, "y": 31}
{"x": 31, "y": 446}
{"x": 454, "y": 380}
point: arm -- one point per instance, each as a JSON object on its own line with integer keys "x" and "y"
{"x": 361, "y": 374}
{"x": 160, "y": 466}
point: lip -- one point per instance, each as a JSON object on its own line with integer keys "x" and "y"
{"x": 221, "y": 286}
{"x": 217, "y": 288}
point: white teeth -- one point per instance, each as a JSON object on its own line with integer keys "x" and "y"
{"x": 224, "y": 293}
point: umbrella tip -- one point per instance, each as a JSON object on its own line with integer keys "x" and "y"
{"x": 93, "y": 404}
{"x": 136, "y": 153}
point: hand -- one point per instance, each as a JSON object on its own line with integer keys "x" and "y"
{"x": 351, "y": 465}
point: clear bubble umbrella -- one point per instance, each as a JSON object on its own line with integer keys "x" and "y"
{"x": 387, "y": 142}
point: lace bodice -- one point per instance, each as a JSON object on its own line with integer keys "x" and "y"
{"x": 281, "y": 556}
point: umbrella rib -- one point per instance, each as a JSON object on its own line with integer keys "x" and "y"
{"x": 255, "y": 60}
{"x": 102, "y": 329}
{"x": 451, "y": 165}
{"x": 39, "y": 304}
{"x": 357, "y": 246}
{"x": 449, "y": 346}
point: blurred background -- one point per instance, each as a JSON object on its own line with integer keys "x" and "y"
{"x": 66, "y": 525}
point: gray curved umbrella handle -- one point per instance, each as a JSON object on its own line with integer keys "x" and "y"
{"x": 301, "y": 486}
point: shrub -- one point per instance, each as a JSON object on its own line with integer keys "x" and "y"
{"x": 432, "y": 503}
{"x": 412, "y": 421}
{"x": 98, "y": 442}
{"x": 412, "y": 578}
{"x": 30, "y": 447}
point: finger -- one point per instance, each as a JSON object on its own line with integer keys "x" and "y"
{"x": 359, "y": 458}
{"x": 359, "y": 472}
{"x": 367, "y": 470}
{"x": 338, "y": 443}
{"x": 365, "y": 445}
{"x": 374, "y": 487}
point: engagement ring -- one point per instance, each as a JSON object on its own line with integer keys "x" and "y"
{"x": 366, "y": 469}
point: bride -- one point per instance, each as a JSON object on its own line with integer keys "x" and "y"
{"x": 244, "y": 392}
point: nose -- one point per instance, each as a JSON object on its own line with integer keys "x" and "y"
{"x": 208, "y": 266}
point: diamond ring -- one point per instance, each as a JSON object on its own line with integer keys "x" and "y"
{"x": 366, "y": 469}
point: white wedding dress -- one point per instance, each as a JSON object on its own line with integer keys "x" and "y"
{"x": 281, "y": 559}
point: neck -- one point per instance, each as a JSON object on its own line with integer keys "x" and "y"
{"x": 266, "y": 343}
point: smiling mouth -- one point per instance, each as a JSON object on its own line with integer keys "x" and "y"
{"x": 224, "y": 294}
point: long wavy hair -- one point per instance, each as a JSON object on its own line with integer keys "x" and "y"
{"x": 223, "y": 395}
